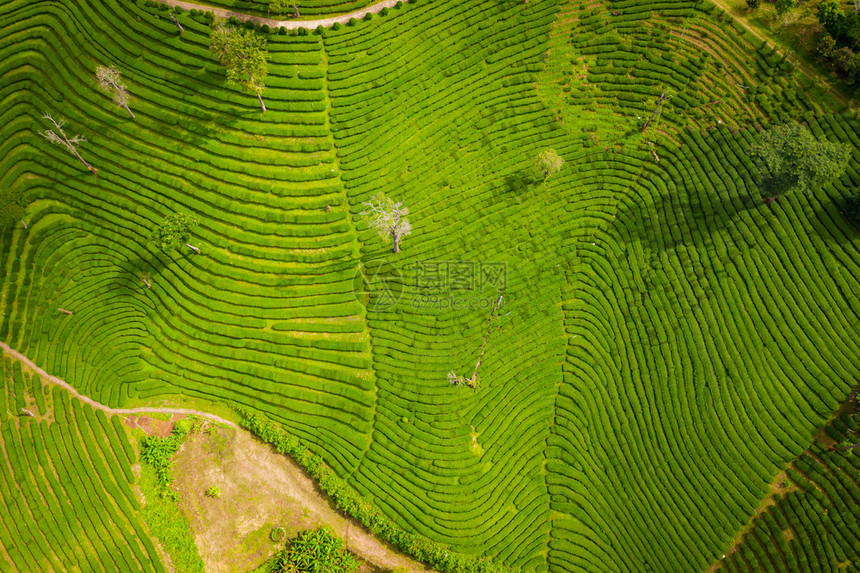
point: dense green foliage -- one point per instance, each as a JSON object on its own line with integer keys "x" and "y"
{"x": 173, "y": 232}
{"x": 667, "y": 343}
{"x": 315, "y": 551}
{"x": 66, "y": 496}
{"x": 157, "y": 453}
{"x": 243, "y": 54}
{"x": 11, "y": 208}
{"x": 793, "y": 160}
{"x": 837, "y": 44}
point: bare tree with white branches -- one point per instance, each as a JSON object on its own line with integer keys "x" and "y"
{"x": 388, "y": 218}
{"x": 110, "y": 80}
{"x": 58, "y": 137}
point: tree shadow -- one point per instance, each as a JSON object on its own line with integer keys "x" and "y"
{"x": 517, "y": 183}
{"x": 688, "y": 217}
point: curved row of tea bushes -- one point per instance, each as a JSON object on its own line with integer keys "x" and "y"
{"x": 813, "y": 523}
{"x": 66, "y": 496}
{"x": 265, "y": 315}
{"x": 716, "y": 381}
{"x": 434, "y": 105}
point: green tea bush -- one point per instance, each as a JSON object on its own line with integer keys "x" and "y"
{"x": 62, "y": 479}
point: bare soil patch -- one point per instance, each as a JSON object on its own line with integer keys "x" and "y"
{"x": 260, "y": 490}
{"x": 152, "y": 426}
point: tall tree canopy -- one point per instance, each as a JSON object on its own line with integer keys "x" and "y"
{"x": 792, "y": 159}
{"x": 173, "y": 232}
{"x": 243, "y": 54}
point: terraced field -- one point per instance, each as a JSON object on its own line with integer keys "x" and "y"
{"x": 812, "y": 525}
{"x": 65, "y": 485}
{"x": 667, "y": 342}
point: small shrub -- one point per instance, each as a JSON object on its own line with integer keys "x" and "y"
{"x": 335, "y": 26}
{"x": 383, "y": 12}
{"x": 352, "y": 22}
{"x": 278, "y": 534}
{"x": 318, "y": 30}
{"x": 368, "y": 17}
{"x": 213, "y": 491}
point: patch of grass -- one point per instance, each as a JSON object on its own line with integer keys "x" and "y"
{"x": 165, "y": 520}
{"x": 157, "y": 453}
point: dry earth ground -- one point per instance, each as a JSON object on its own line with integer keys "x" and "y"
{"x": 260, "y": 490}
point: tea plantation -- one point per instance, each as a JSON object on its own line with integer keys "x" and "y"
{"x": 65, "y": 485}
{"x": 667, "y": 342}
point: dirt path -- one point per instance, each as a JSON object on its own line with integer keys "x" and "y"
{"x": 813, "y": 75}
{"x": 258, "y": 475}
{"x": 9, "y": 351}
{"x": 288, "y": 24}
{"x": 260, "y": 490}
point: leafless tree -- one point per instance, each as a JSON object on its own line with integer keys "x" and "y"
{"x": 110, "y": 80}
{"x": 178, "y": 25}
{"x": 388, "y": 218}
{"x": 472, "y": 382}
{"x": 663, "y": 97}
{"x": 58, "y": 137}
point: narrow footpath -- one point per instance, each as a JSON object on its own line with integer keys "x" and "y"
{"x": 813, "y": 75}
{"x": 288, "y": 24}
{"x": 303, "y": 489}
{"x": 11, "y": 352}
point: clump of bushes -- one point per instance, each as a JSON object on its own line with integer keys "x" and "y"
{"x": 158, "y": 452}
{"x": 213, "y": 491}
{"x": 315, "y": 551}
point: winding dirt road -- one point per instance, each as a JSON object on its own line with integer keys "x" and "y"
{"x": 11, "y": 352}
{"x": 288, "y": 24}
{"x": 302, "y": 488}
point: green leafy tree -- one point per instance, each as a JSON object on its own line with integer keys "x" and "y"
{"x": 315, "y": 551}
{"x": 174, "y": 231}
{"x": 783, "y": 7}
{"x": 548, "y": 162}
{"x": 825, "y": 48}
{"x": 11, "y": 207}
{"x": 753, "y": 4}
{"x": 831, "y": 16}
{"x": 792, "y": 159}
{"x": 243, "y": 54}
